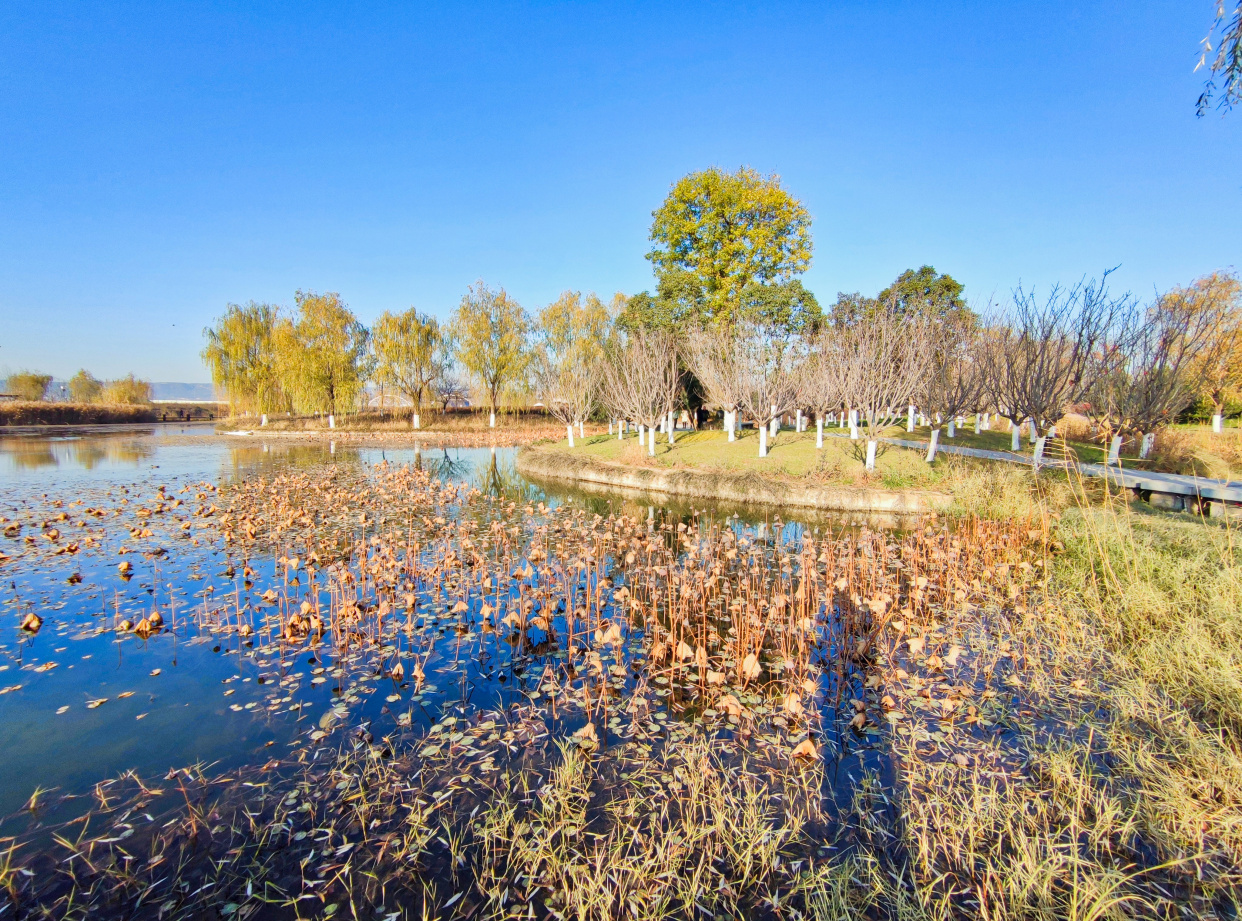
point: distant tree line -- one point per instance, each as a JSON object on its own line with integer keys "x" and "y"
{"x": 731, "y": 328}
{"x": 83, "y": 387}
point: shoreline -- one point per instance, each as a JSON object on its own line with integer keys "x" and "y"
{"x": 720, "y": 486}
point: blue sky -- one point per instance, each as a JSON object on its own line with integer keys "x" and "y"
{"x": 158, "y": 161}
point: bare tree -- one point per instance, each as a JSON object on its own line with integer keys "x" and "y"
{"x": 826, "y": 383}
{"x": 885, "y": 356}
{"x": 954, "y": 383}
{"x": 1162, "y": 353}
{"x": 569, "y": 387}
{"x": 1041, "y": 357}
{"x": 772, "y": 366}
{"x": 641, "y": 378}
{"x": 715, "y": 357}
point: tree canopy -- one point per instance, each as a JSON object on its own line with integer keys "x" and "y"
{"x": 28, "y": 385}
{"x": 84, "y": 387}
{"x": 491, "y": 329}
{"x": 727, "y": 231}
{"x": 409, "y": 353}
{"x": 923, "y": 291}
{"x": 323, "y": 353}
{"x": 241, "y": 354}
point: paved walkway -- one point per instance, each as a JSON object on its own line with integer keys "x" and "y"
{"x": 1144, "y": 480}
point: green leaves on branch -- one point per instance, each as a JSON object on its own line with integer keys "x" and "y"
{"x": 241, "y": 355}
{"x": 492, "y": 329}
{"x": 412, "y": 353}
{"x": 716, "y": 234}
{"x": 323, "y": 354}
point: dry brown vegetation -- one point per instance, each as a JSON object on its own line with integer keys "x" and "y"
{"x": 1031, "y": 711}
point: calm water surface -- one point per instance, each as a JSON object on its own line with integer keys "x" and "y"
{"x": 80, "y": 702}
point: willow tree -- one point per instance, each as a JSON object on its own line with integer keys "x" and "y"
{"x": 726, "y": 231}
{"x": 572, "y": 332}
{"x": 28, "y": 385}
{"x": 322, "y": 354}
{"x": 409, "y": 355}
{"x": 492, "y": 331}
{"x": 84, "y": 387}
{"x": 241, "y": 355}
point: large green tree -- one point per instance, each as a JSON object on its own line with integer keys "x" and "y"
{"x": 240, "y": 352}
{"x": 727, "y": 231}
{"x": 492, "y": 332}
{"x": 323, "y": 354}
{"x": 915, "y": 291}
{"x": 409, "y": 354}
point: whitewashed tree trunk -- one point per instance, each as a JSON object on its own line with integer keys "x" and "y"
{"x": 798, "y": 422}
{"x": 672, "y": 427}
{"x": 651, "y": 435}
{"x": 933, "y": 445}
{"x": 1114, "y": 452}
{"x": 819, "y": 432}
{"x": 492, "y": 420}
{"x": 774, "y": 427}
{"x": 1038, "y": 460}
{"x": 418, "y": 422}
{"x": 581, "y": 433}
{"x": 976, "y": 423}
{"x": 910, "y": 418}
{"x": 763, "y": 441}
{"x": 731, "y": 423}
{"x": 1032, "y": 431}
{"x": 1218, "y": 423}
{"x": 952, "y": 428}
{"x": 263, "y": 419}
{"x": 331, "y": 447}
{"x": 1149, "y": 442}
{"x": 609, "y": 426}
{"x": 871, "y": 445}
{"x": 853, "y": 432}
{"x": 1015, "y": 437}
{"x": 571, "y": 435}
{"x": 640, "y": 435}
{"x": 331, "y": 421}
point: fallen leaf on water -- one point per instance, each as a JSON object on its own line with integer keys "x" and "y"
{"x": 805, "y": 749}
{"x": 60, "y": 710}
{"x": 92, "y": 704}
{"x": 124, "y": 694}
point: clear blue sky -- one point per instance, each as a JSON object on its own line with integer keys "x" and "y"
{"x": 160, "y": 160}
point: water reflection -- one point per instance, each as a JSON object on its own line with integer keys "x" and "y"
{"x": 82, "y": 452}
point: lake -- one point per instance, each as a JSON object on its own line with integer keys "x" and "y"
{"x": 248, "y": 614}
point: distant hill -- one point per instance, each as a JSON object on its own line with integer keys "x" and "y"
{"x": 165, "y": 391}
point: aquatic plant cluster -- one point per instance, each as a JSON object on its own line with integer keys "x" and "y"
{"x": 535, "y": 710}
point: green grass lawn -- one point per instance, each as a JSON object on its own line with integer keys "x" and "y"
{"x": 790, "y": 454}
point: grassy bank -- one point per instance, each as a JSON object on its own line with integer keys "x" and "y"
{"x": 25, "y": 412}
{"x": 791, "y": 455}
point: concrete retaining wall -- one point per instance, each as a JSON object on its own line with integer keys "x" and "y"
{"x": 742, "y": 488}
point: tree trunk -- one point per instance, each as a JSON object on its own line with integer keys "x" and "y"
{"x": 871, "y": 445}
{"x": 819, "y": 431}
{"x": 763, "y": 441}
{"x": 1015, "y": 437}
{"x": 571, "y": 434}
{"x": 933, "y": 445}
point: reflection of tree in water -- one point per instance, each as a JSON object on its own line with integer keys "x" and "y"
{"x": 504, "y": 482}
{"x": 87, "y": 452}
{"x": 29, "y": 456}
{"x": 249, "y": 460}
